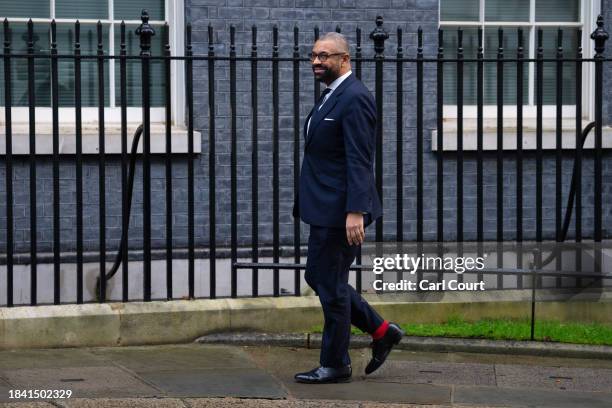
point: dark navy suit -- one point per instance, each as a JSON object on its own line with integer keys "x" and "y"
{"x": 337, "y": 177}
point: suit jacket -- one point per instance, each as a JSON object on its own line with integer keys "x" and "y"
{"x": 337, "y": 173}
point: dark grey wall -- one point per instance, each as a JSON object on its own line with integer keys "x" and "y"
{"x": 305, "y": 14}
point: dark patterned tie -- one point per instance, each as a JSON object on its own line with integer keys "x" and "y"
{"x": 322, "y": 97}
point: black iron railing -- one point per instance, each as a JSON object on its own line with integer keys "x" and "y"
{"x": 274, "y": 63}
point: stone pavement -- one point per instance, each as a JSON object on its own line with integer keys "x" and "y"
{"x": 197, "y": 375}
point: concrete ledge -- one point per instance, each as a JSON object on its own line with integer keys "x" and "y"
{"x": 58, "y": 326}
{"x": 142, "y": 323}
{"x": 181, "y": 321}
{"x": 426, "y": 344}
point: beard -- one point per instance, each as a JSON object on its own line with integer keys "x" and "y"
{"x": 327, "y": 76}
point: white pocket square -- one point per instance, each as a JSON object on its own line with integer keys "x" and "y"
{"x": 329, "y": 119}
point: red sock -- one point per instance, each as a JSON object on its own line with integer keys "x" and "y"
{"x": 380, "y": 332}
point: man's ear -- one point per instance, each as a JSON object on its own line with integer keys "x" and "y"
{"x": 343, "y": 61}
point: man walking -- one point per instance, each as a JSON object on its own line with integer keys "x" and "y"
{"x": 338, "y": 199}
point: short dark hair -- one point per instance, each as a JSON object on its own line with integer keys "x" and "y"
{"x": 339, "y": 39}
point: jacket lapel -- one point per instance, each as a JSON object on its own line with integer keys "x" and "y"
{"x": 317, "y": 117}
{"x": 306, "y": 124}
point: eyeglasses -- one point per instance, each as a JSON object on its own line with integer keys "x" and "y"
{"x": 323, "y": 56}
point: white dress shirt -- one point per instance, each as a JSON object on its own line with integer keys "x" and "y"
{"x": 331, "y": 86}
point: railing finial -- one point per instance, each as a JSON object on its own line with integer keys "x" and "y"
{"x": 7, "y": 34}
{"x": 145, "y": 31}
{"x": 379, "y": 35}
{"x": 600, "y": 36}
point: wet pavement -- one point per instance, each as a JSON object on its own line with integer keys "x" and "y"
{"x": 199, "y": 375}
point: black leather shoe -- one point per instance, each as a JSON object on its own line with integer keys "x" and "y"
{"x": 382, "y": 347}
{"x": 324, "y": 375}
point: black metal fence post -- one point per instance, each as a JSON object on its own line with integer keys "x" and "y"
{"x": 168, "y": 119}
{"x": 254, "y": 167}
{"x": 212, "y": 240}
{"x": 8, "y": 163}
{"x": 419, "y": 149}
{"x": 536, "y": 282}
{"x": 379, "y": 35}
{"x": 519, "y": 153}
{"x": 558, "y": 152}
{"x": 399, "y": 154}
{"x": 479, "y": 146}
{"x": 500, "y": 154}
{"x": 440, "y": 146}
{"x": 190, "y": 166}
{"x": 78, "y": 160}
{"x": 146, "y": 31}
{"x": 275, "y": 162}
{"x": 125, "y": 218}
{"x": 56, "y": 176}
{"x": 535, "y": 267}
{"x": 32, "y": 163}
{"x": 578, "y": 158}
{"x": 539, "y": 101}
{"x": 233, "y": 164}
{"x": 459, "y": 175}
{"x": 599, "y": 36}
{"x": 101, "y": 166}
{"x": 296, "y": 154}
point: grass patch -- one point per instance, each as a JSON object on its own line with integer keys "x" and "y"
{"x": 510, "y": 329}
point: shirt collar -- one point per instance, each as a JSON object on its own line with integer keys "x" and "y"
{"x": 338, "y": 81}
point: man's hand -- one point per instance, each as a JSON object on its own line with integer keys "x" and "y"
{"x": 355, "y": 233}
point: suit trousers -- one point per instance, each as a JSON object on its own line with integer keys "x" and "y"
{"x": 327, "y": 270}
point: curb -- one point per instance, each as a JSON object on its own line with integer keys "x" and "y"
{"x": 182, "y": 321}
{"x": 414, "y": 343}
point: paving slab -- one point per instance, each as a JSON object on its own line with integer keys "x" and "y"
{"x": 294, "y": 359}
{"x": 283, "y": 363}
{"x": 123, "y": 403}
{"x": 171, "y": 357}
{"x": 4, "y": 391}
{"x": 83, "y": 381}
{"x": 49, "y": 358}
{"x": 558, "y": 378}
{"x": 387, "y": 405}
{"x": 250, "y": 403}
{"x": 463, "y": 357}
{"x": 361, "y": 390}
{"x": 507, "y": 397}
{"x": 293, "y": 403}
{"x": 414, "y": 372}
{"x": 219, "y": 382}
{"x": 254, "y": 403}
{"x": 195, "y": 371}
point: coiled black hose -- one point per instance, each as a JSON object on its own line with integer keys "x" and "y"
{"x": 570, "y": 200}
{"x": 124, "y": 233}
